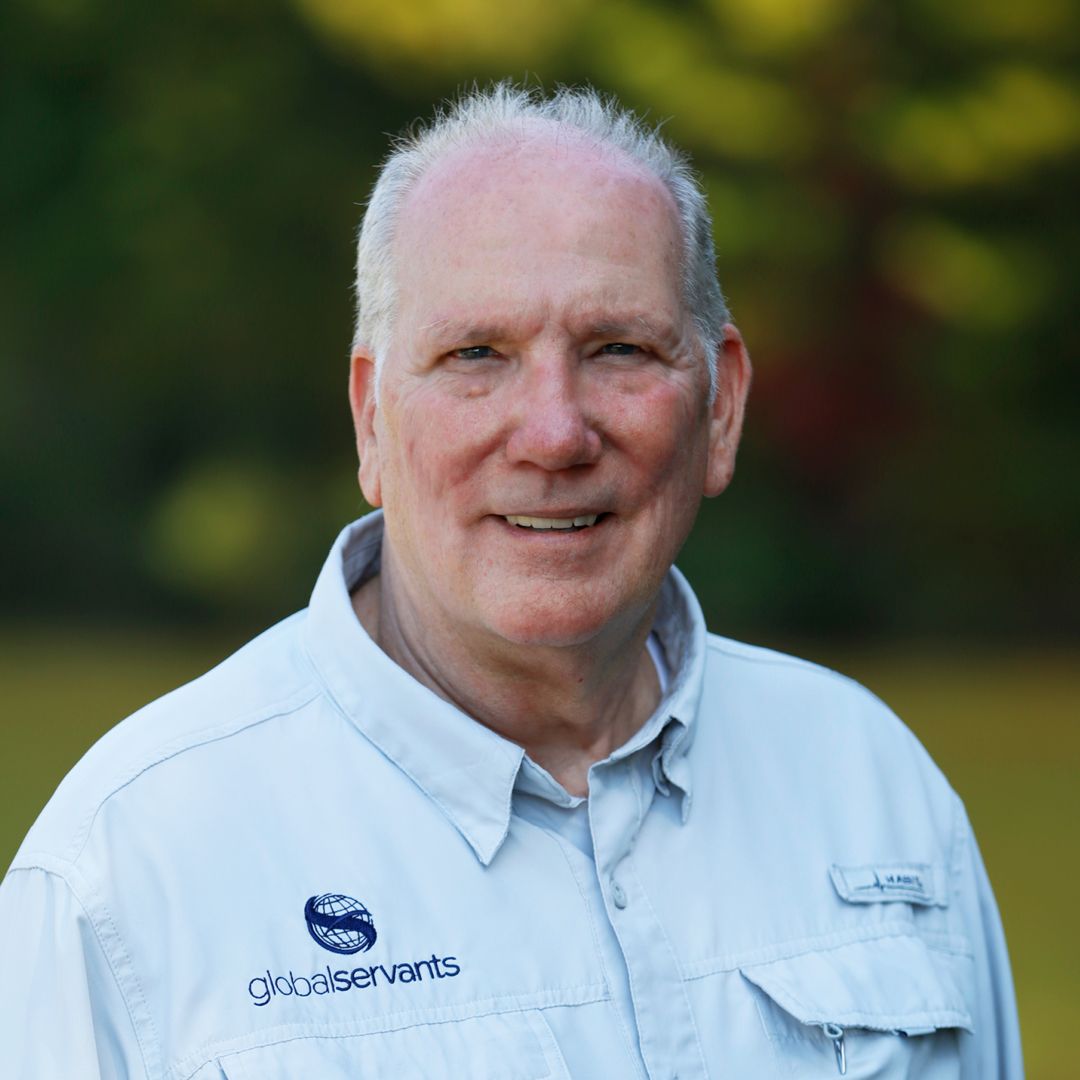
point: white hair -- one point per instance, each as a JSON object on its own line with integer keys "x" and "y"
{"x": 501, "y": 112}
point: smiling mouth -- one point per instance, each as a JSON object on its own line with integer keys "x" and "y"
{"x": 544, "y": 524}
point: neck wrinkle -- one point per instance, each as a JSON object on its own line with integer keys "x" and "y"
{"x": 526, "y": 694}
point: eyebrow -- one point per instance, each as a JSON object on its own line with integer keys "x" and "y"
{"x": 633, "y": 324}
{"x": 455, "y": 330}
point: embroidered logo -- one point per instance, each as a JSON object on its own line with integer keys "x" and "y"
{"x": 340, "y": 923}
{"x": 911, "y": 882}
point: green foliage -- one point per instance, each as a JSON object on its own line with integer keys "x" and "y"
{"x": 897, "y": 229}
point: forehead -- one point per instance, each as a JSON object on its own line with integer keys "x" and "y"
{"x": 537, "y": 219}
{"x": 521, "y": 164}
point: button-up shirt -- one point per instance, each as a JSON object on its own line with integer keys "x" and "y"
{"x": 306, "y": 864}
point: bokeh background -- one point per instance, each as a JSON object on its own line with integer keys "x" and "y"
{"x": 894, "y": 188}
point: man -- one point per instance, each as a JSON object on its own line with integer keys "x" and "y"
{"x": 496, "y": 804}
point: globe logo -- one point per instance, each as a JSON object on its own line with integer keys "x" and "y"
{"x": 340, "y": 923}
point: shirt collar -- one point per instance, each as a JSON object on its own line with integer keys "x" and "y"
{"x": 463, "y": 767}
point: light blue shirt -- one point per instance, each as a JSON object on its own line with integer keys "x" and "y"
{"x": 305, "y": 864}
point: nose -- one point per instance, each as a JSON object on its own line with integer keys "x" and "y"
{"x": 553, "y": 429}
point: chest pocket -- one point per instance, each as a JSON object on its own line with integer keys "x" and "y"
{"x": 499, "y": 1046}
{"x": 889, "y": 1007}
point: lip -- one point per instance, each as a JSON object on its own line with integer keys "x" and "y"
{"x": 525, "y": 532}
{"x": 558, "y": 512}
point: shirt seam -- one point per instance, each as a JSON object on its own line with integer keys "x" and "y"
{"x": 639, "y": 792}
{"x": 772, "y": 659}
{"x": 936, "y": 941}
{"x": 885, "y": 1022}
{"x": 234, "y": 726}
{"x": 879, "y": 1018}
{"x": 633, "y": 1052}
{"x": 958, "y": 841}
{"x": 400, "y": 1021}
{"x": 39, "y": 864}
{"x": 663, "y": 935}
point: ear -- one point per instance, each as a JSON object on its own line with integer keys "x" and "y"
{"x": 733, "y": 374}
{"x": 362, "y": 402}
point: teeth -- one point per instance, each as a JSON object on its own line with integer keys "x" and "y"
{"x": 551, "y": 523}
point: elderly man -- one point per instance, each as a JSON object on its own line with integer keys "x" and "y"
{"x": 495, "y": 804}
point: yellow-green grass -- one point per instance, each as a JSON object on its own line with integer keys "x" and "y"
{"x": 1005, "y": 727}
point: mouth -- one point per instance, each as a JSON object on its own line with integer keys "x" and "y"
{"x": 576, "y": 523}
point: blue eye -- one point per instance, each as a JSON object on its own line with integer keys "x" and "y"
{"x": 475, "y": 352}
{"x": 620, "y": 348}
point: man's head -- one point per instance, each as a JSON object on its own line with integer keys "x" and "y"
{"x": 509, "y": 113}
{"x": 546, "y": 423}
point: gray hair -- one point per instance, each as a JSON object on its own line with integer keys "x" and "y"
{"x": 502, "y": 111}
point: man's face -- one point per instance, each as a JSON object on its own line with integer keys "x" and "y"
{"x": 542, "y": 372}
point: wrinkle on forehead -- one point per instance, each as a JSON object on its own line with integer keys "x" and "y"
{"x": 586, "y": 325}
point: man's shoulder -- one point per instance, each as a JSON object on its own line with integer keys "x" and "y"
{"x": 801, "y": 708}
{"x": 757, "y": 664}
{"x": 269, "y": 677}
{"x": 760, "y": 670}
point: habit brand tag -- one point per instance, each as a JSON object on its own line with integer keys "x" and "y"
{"x": 912, "y": 883}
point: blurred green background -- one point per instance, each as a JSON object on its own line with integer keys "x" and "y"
{"x": 894, "y": 187}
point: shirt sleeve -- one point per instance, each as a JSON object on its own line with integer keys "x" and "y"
{"x": 61, "y": 1011}
{"x": 994, "y": 1049}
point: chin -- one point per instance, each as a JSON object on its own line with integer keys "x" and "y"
{"x": 551, "y": 625}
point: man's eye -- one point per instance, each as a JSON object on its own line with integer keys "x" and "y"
{"x": 620, "y": 348}
{"x": 474, "y": 352}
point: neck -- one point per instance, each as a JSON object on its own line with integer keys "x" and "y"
{"x": 567, "y": 706}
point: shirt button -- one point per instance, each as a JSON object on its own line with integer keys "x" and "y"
{"x": 618, "y": 895}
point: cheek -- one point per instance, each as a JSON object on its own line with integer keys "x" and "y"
{"x": 664, "y": 431}
{"x": 436, "y": 454}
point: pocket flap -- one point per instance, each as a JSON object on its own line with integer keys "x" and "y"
{"x": 885, "y": 984}
{"x": 882, "y": 883}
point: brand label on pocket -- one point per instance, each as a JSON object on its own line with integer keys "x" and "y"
{"x": 912, "y": 883}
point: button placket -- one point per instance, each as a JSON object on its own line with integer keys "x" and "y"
{"x": 667, "y": 1037}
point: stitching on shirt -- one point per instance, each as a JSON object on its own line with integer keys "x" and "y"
{"x": 643, "y": 811}
{"x": 958, "y": 840}
{"x": 939, "y": 941}
{"x": 191, "y": 741}
{"x": 400, "y": 1021}
{"x": 631, "y": 1048}
{"x": 114, "y": 930}
{"x": 639, "y": 795}
{"x": 662, "y": 935}
{"x": 771, "y": 659}
{"x": 479, "y": 849}
{"x": 553, "y": 1055}
{"x": 895, "y": 1020}
{"x": 141, "y": 1037}
{"x": 757, "y": 655}
{"x": 879, "y": 1023}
